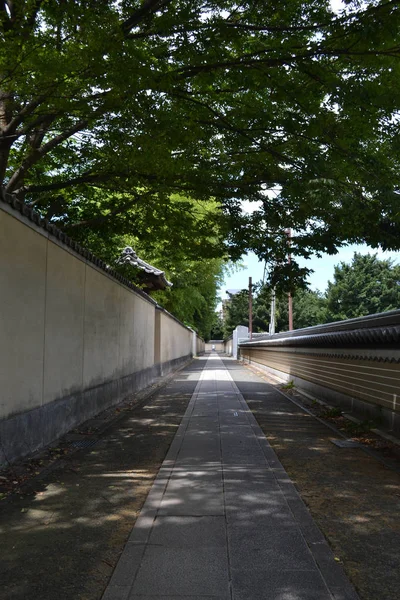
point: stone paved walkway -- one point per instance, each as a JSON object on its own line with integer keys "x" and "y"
{"x": 223, "y": 520}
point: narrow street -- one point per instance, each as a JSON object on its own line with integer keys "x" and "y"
{"x": 184, "y": 496}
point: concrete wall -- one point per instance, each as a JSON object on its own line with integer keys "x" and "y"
{"x": 228, "y": 346}
{"x": 174, "y": 339}
{"x": 231, "y": 345}
{"x": 218, "y": 346}
{"x": 200, "y": 345}
{"x": 356, "y": 369}
{"x": 73, "y": 339}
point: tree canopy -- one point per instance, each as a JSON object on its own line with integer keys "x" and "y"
{"x": 236, "y": 311}
{"x": 107, "y": 109}
{"x": 364, "y": 287}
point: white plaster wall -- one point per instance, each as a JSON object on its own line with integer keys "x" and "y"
{"x": 200, "y": 345}
{"x": 101, "y": 328}
{"x": 136, "y": 333}
{"x": 176, "y": 340}
{"x": 64, "y": 310}
{"x": 218, "y": 346}
{"x": 228, "y": 346}
{"x": 22, "y": 310}
{"x": 66, "y": 326}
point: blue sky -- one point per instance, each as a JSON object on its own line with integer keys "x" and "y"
{"x": 323, "y": 267}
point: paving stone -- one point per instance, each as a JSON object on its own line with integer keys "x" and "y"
{"x": 246, "y": 474}
{"x": 339, "y": 593}
{"x": 331, "y": 570}
{"x": 260, "y": 546}
{"x": 205, "y": 412}
{"x": 238, "y": 434}
{"x": 141, "y": 532}
{"x": 227, "y": 489}
{"x": 233, "y": 418}
{"x": 252, "y": 506}
{"x": 192, "y": 498}
{"x": 305, "y": 521}
{"x": 163, "y": 597}
{"x": 198, "y": 464}
{"x": 183, "y": 571}
{"x": 241, "y": 446}
{"x": 204, "y": 453}
{"x": 203, "y": 424}
{"x": 189, "y": 532}
{"x": 197, "y": 438}
{"x": 239, "y": 457}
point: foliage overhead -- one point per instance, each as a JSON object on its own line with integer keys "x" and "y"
{"x": 109, "y": 108}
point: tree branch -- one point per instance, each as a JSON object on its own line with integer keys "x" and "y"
{"x": 18, "y": 119}
{"x": 38, "y": 153}
{"x": 225, "y": 124}
{"x": 148, "y": 8}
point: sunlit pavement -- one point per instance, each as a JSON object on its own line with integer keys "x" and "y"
{"x": 223, "y": 520}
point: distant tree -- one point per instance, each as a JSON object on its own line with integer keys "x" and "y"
{"x": 194, "y": 295}
{"x": 366, "y": 286}
{"x": 281, "y": 313}
{"x": 309, "y": 308}
{"x": 236, "y": 311}
{"x": 262, "y": 309}
{"x": 217, "y": 329}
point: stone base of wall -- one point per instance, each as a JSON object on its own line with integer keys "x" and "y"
{"x": 170, "y": 365}
{"x": 25, "y": 433}
{"x": 385, "y": 419}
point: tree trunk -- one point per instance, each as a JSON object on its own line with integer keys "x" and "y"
{"x": 5, "y": 142}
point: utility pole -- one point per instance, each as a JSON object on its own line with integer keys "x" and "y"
{"x": 290, "y": 299}
{"x": 250, "y": 308}
{"x": 272, "y": 319}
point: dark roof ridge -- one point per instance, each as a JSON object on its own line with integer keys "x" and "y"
{"x": 33, "y": 216}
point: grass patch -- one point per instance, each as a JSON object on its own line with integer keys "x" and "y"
{"x": 288, "y": 386}
{"x": 335, "y": 411}
{"x": 359, "y": 428}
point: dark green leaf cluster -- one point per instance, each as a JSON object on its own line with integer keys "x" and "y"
{"x": 364, "y": 287}
{"x": 107, "y": 109}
